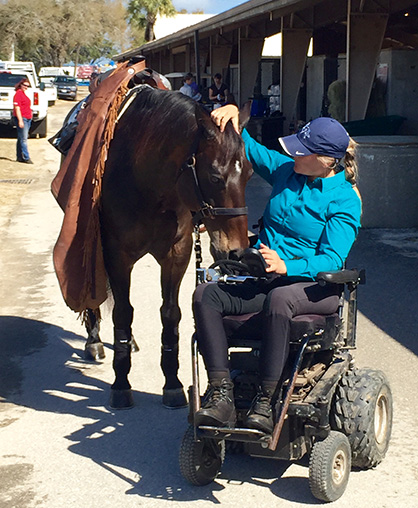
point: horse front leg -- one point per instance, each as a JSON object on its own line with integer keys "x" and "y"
{"x": 119, "y": 271}
{"x": 172, "y": 272}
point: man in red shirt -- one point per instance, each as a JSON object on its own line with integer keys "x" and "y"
{"x": 22, "y": 116}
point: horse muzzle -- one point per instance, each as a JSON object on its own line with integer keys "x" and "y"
{"x": 234, "y": 254}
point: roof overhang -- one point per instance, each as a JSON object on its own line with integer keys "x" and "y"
{"x": 312, "y": 13}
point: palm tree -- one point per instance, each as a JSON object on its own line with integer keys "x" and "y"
{"x": 144, "y": 13}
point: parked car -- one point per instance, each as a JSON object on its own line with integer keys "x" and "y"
{"x": 66, "y": 87}
{"x": 50, "y": 89}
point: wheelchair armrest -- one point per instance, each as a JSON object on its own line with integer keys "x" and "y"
{"x": 353, "y": 276}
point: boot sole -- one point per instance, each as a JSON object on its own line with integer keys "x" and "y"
{"x": 257, "y": 425}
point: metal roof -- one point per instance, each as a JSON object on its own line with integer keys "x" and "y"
{"x": 227, "y": 20}
{"x": 268, "y": 11}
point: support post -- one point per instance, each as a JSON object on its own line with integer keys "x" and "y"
{"x": 295, "y": 44}
{"x": 365, "y": 32}
{"x": 219, "y": 58}
{"x": 197, "y": 57}
{"x": 250, "y": 50}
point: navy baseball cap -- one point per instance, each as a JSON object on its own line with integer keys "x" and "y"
{"x": 322, "y": 136}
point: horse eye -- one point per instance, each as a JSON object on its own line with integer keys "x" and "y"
{"x": 215, "y": 179}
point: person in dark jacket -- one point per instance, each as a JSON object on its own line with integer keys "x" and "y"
{"x": 218, "y": 91}
{"x": 309, "y": 225}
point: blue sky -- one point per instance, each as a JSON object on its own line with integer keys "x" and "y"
{"x": 208, "y": 6}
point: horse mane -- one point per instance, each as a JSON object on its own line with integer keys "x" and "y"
{"x": 156, "y": 109}
{"x": 154, "y": 112}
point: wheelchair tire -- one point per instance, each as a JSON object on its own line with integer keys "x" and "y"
{"x": 330, "y": 466}
{"x": 362, "y": 409}
{"x": 200, "y": 461}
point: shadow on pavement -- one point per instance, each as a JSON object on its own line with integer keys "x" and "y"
{"x": 390, "y": 296}
{"x": 140, "y": 446}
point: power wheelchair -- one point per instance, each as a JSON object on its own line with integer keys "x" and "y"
{"x": 339, "y": 415}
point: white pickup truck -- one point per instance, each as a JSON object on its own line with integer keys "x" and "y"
{"x": 8, "y": 79}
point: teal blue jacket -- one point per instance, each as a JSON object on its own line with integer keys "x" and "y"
{"x": 311, "y": 225}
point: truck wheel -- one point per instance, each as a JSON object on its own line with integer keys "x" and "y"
{"x": 38, "y": 129}
{"x": 329, "y": 467}
{"x": 200, "y": 461}
{"x": 362, "y": 409}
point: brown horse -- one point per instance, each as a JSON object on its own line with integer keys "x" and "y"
{"x": 168, "y": 167}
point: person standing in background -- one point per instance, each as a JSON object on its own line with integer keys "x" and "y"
{"x": 22, "y": 117}
{"x": 188, "y": 88}
{"x": 218, "y": 91}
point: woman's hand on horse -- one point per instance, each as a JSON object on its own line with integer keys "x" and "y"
{"x": 221, "y": 116}
{"x": 275, "y": 262}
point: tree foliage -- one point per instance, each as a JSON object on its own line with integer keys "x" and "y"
{"x": 51, "y": 32}
{"x": 143, "y": 14}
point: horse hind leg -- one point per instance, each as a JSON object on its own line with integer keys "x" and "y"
{"x": 93, "y": 349}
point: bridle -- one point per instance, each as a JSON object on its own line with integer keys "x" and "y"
{"x": 206, "y": 209}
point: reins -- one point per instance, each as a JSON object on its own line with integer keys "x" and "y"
{"x": 206, "y": 209}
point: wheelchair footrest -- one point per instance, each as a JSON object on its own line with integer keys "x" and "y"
{"x": 233, "y": 434}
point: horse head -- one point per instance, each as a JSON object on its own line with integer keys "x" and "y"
{"x": 221, "y": 174}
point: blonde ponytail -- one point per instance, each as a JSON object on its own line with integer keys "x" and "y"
{"x": 350, "y": 163}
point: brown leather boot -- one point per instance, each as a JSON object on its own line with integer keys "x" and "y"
{"x": 260, "y": 415}
{"x": 218, "y": 406}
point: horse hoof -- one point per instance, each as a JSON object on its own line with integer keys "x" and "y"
{"x": 174, "y": 398}
{"x": 121, "y": 399}
{"x": 94, "y": 352}
{"x": 134, "y": 346}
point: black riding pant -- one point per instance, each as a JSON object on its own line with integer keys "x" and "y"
{"x": 279, "y": 301}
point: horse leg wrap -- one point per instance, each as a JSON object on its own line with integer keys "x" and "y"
{"x": 121, "y": 393}
{"x": 121, "y": 359}
{"x": 170, "y": 364}
{"x": 94, "y": 333}
{"x": 173, "y": 393}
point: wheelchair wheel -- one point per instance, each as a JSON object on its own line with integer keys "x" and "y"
{"x": 200, "y": 461}
{"x": 362, "y": 409}
{"x": 329, "y": 467}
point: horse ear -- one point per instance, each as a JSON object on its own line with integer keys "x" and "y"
{"x": 210, "y": 130}
{"x": 244, "y": 115}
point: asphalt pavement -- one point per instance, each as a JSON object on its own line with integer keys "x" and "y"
{"x": 62, "y": 446}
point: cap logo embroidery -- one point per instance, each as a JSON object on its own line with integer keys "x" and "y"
{"x": 306, "y": 131}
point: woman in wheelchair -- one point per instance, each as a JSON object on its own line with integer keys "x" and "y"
{"x": 309, "y": 225}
